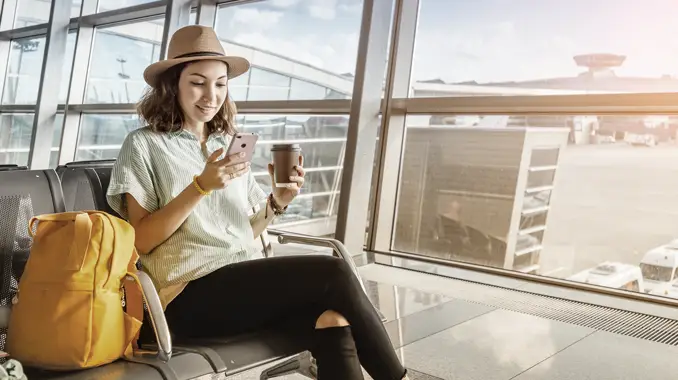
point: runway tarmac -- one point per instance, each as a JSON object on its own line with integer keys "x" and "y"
{"x": 611, "y": 202}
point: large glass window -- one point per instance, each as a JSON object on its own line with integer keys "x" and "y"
{"x": 101, "y": 136}
{"x": 322, "y": 139}
{"x": 109, "y": 5}
{"x": 498, "y": 47}
{"x": 34, "y": 12}
{"x": 15, "y": 138}
{"x": 267, "y": 85}
{"x": 589, "y": 199}
{"x": 23, "y": 73}
{"x": 119, "y": 57}
{"x": 25, "y": 66}
{"x": 302, "y": 90}
{"x": 56, "y": 140}
{"x": 306, "y": 45}
{"x": 67, "y": 67}
{"x": 16, "y": 131}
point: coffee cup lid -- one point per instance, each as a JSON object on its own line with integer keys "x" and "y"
{"x": 286, "y": 147}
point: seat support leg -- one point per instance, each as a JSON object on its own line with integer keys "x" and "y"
{"x": 303, "y": 364}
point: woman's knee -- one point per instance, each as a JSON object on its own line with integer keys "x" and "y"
{"x": 342, "y": 286}
{"x": 338, "y": 268}
{"x": 330, "y": 318}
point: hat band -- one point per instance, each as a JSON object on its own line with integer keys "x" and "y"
{"x": 200, "y": 54}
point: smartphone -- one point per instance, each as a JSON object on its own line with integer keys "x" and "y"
{"x": 243, "y": 142}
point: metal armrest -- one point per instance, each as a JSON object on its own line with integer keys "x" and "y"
{"x": 157, "y": 316}
{"x": 338, "y": 248}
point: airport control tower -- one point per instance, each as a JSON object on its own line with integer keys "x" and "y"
{"x": 600, "y": 64}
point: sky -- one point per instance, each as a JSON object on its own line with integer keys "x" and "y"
{"x": 466, "y": 40}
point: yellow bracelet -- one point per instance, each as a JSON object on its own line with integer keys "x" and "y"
{"x": 200, "y": 189}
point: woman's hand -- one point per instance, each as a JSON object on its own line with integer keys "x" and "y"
{"x": 285, "y": 195}
{"x": 217, "y": 174}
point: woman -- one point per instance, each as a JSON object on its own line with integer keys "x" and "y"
{"x": 190, "y": 209}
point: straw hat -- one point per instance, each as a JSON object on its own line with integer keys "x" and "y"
{"x": 194, "y": 43}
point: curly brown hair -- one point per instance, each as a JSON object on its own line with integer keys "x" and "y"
{"x": 159, "y": 107}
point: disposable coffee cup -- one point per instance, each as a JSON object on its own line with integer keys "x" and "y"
{"x": 285, "y": 159}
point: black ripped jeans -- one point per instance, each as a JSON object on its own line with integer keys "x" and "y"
{"x": 287, "y": 294}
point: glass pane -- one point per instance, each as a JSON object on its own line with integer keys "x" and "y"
{"x": 25, "y": 65}
{"x": 23, "y": 74}
{"x": 101, "y": 136}
{"x": 108, "y": 5}
{"x": 302, "y": 90}
{"x": 67, "y": 67}
{"x": 56, "y": 141}
{"x": 15, "y": 138}
{"x": 75, "y": 8}
{"x": 267, "y": 85}
{"x": 495, "y": 47}
{"x": 34, "y": 12}
{"x": 237, "y": 87}
{"x": 120, "y": 55}
{"x": 592, "y": 202}
{"x": 322, "y": 139}
{"x": 313, "y": 42}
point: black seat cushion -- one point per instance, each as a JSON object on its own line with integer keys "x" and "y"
{"x": 181, "y": 366}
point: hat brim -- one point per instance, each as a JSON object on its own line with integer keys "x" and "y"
{"x": 236, "y": 66}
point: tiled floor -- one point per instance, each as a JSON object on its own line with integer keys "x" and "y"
{"x": 439, "y": 336}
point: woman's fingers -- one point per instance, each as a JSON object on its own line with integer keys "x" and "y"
{"x": 298, "y": 179}
{"x": 235, "y": 168}
{"x": 293, "y": 187}
{"x": 300, "y": 170}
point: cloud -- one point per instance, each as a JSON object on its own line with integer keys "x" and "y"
{"x": 323, "y": 9}
{"x": 490, "y": 52}
{"x": 255, "y": 19}
{"x": 283, "y": 3}
{"x": 354, "y": 8}
{"x": 334, "y": 52}
{"x": 301, "y": 49}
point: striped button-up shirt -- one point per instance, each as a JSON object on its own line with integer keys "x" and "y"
{"x": 154, "y": 168}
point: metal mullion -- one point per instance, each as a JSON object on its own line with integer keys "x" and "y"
{"x": 177, "y": 15}
{"x": 276, "y": 107}
{"x": 25, "y": 32}
{"x": 132, "y": 14}
{"x": 49, "y": 84}
{"x": 393, "y": 126}
{"x": 17, "y": 108}
{"x": 207, "y": 13}
{"x": 364, "y": 123}
{"x": 77, "y": 86}
{"x": 594, "y": 104}
{"x": 228, "y": 3}
{"x": 7, "y": 17}
{"x": 117, "y": 16}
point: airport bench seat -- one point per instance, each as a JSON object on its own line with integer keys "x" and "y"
{"x": 11, "y": 167}
{"x": 190, "y": 360}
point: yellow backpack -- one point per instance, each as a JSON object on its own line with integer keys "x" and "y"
{"x": 68, "y": 313}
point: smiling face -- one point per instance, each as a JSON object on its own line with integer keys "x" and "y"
{"x": 202, "y": 90}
